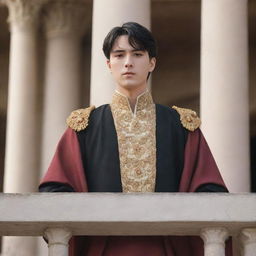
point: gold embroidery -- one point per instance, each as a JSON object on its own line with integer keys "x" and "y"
{"x": 78, "y": 119}
{"x": 136, "y": 142}
{"x": 188, "y": 118}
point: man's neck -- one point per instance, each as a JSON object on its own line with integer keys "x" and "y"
{"x": 132, "y": 95}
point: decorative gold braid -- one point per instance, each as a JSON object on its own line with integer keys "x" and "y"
{"x": 78, "y": 119}
{"x": 188, "y": 118}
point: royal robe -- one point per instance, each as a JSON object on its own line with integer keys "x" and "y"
{"x": 88, "y": 161}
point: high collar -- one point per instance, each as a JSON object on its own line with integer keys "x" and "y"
{"x": 143, "y": 101}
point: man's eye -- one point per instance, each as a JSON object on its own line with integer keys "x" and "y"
{"x": 119, "y": 55}
{"x": 138, "y": 54}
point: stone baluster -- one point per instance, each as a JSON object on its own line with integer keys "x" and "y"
{"x": 58, "y": 239}
{"x": 214, "y": 241}
{"x": 248, "y": 239}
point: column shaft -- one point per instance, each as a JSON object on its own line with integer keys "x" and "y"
{"x": 21, "y": 163}
{"x": 224, "y": 88}
{"x": 62, "y": 84}
{"x": 22, "y": 139}
{"x": 65, "y": 24}
{"x": 106, "y": 15}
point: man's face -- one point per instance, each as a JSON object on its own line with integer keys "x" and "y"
{"x": 129, "y": 66}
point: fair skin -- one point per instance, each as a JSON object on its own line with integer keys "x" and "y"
{"x": 130, "y": 68}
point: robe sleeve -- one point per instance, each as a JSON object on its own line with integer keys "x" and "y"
{"x": 66, "y": 166}
{"x": 200, "y": 167}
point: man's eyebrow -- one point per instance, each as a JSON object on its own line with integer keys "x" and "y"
{"x": 134, "y": 50}
{"x": 114, "y": 51}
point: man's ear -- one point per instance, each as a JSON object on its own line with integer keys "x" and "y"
{"x": 109, "y": 64}
{"x": 152, "y": 64}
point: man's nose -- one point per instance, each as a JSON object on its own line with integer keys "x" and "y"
{"x": 128, "y": 61}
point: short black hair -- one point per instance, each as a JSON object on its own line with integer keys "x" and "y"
{"x": 139, "y": 38}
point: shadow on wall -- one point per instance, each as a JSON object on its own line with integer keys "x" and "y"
{"x": 2, "y": 155}
{"x": 2, "y": 148}
{"x": 253, "y": 164}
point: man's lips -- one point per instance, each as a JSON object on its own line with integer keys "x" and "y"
{"x": 128, "y": 73}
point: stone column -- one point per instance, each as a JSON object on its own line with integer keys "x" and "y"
{"x": 214, "y": 241}
{"x": 106, "y": 15}
{"x": 224, "y": 88}
{"x": 248, "y": 239}
{"x": 65, "y": 24}
{"x": 22, "y": 138}
{"x": 58, "y": 239}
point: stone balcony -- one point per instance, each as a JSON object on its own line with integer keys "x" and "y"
{"x": 214, "y": 217}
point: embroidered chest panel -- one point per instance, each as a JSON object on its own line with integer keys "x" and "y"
{"x": 136, "y": 134}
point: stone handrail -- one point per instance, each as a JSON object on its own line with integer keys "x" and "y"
{"x": 214, "y": 217}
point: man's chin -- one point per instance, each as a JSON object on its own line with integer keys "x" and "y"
{"x": 130, "y": 86}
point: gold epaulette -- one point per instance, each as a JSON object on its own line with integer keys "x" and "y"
{"x": 188, "y": 118}
{"x": 78, "y": 119}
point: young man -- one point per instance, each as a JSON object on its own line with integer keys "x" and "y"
{"x": 133, "y": 145}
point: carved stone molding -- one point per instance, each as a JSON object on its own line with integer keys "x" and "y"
{"x": 58, "y": 236}
{"x": 66, "y": 18}
{"x": 214, "y": 235}
{"x": 248, "y": 235}
{"x": 23, "y": 14}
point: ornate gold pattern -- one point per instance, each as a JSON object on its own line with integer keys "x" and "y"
{"x": 188, "y": 118}
{"x": 78, "y": 119}
{"x": 136, "y": 142}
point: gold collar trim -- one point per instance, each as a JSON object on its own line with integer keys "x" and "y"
{"x": 143, "y": 101}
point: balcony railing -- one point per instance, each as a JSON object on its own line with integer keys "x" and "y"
{"x": 58, "y": 216}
